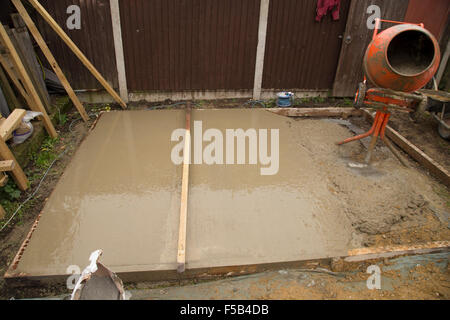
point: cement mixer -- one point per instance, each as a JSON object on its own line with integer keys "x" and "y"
{"x": 399, "y": 61}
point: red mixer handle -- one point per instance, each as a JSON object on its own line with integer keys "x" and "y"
{"x": 378, "y": 22}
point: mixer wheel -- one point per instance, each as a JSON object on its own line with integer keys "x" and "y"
{"x": 360, "y": 95}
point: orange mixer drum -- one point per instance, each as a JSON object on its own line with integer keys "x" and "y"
{"x": 402, "y": 58}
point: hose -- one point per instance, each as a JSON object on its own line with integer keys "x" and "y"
{"x": 34, "y": 192}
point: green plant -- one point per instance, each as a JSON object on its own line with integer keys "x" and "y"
{"x": 347, "y": 102}
{"x": 10, "y": 191}
{"x": 46, "y": 154}
{"x": 305, "y": 100}
{"x": 272, "y": 103}
{"x": 62, "y": 118}
{"x": 319, "y": 99}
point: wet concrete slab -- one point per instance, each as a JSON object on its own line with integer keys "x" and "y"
{"x": 238, "y": 216}
{"x": 121, "y": 194}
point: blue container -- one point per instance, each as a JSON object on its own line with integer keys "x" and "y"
{"x": 284, "y": 99}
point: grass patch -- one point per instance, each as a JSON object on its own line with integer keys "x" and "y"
{"x": 46, "y": 154}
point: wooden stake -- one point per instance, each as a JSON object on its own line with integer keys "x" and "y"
{"x": 50, "y": 58}
{"x": 19, "y": 176}
{"x": 47, "y": 17}
{"x": 11, "y": 123}
{"x": 5, "y": 154}
{"x": 18, "y": 65}
{"x": 2, "y": 212}
{"x": 181, "y": 257}
{"x": 6, "y": 165}
{"x": 3, "y": 179}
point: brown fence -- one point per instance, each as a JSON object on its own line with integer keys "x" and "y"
{"x": 189, "y": 44}
{"x": 94, "y": 38}
{"x": 301, "y": 52}
{"x": 196, "y": 45}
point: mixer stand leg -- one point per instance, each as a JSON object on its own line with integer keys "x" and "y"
{"x": 378, "y": 130}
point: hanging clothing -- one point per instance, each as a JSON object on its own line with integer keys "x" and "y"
{"x": 324, "y": 6}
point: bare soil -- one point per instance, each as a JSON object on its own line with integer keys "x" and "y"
{"x": 423, "y": 133}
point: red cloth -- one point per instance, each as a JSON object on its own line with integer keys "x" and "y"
{"x": 324, "y": 6}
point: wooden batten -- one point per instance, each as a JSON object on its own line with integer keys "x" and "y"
{"x": 50, "y": 58}
{"x": 181, "y": 256}
{"x": 28, "y": 84}
{"x": 72, "y": 46}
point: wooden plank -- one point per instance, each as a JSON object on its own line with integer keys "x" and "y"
{"x": 435, "y": 168}
{"x": 2, "y": 212}
{"x": 28, "y": 84}
{"x": 11, "y": 123}
{"x": 17, "y": 172}
{"x": 181, "y": 257}
{"x": 6, "y": 165}
{"x": 362, "y": 254}
{"x": 22, "y": 31}
{"x": 316, "y": 112}
{"x": 10, "y": 97}
{"x": 50, "y": 58}
{"x": 27, "y": 54}
{"x": 39, "y": 8}
{"x": 3, "y": 179}
{"x": 5, "y": 61}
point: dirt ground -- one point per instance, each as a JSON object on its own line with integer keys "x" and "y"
{"x": 423, "y": 133}
{"x": 386, "y": 204}
{"x": 413, "y": 277}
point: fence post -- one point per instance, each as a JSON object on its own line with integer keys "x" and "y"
{"x": 262, "y": 33}
{"x": 118, "y": 46}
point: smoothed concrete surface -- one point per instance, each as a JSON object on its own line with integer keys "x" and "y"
{"x": 121, "y": 194}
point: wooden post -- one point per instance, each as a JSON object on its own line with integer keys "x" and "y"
{"x": 18, "y": 175}
{"x": 181, "y": 257}
{"x": 11, "y": 123}
{"x": 28, "y": 84}
{"x": 261, "y": 48}
{"x": 47, "y": 17}
{"x": 7, "y": 165}
{"x": 2, "y": 212}
{"x": 3, "y": 179}
{"x": 50, "y": 58}
{"x": 10, "y": 162}
{"x": 118, "y": 47}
